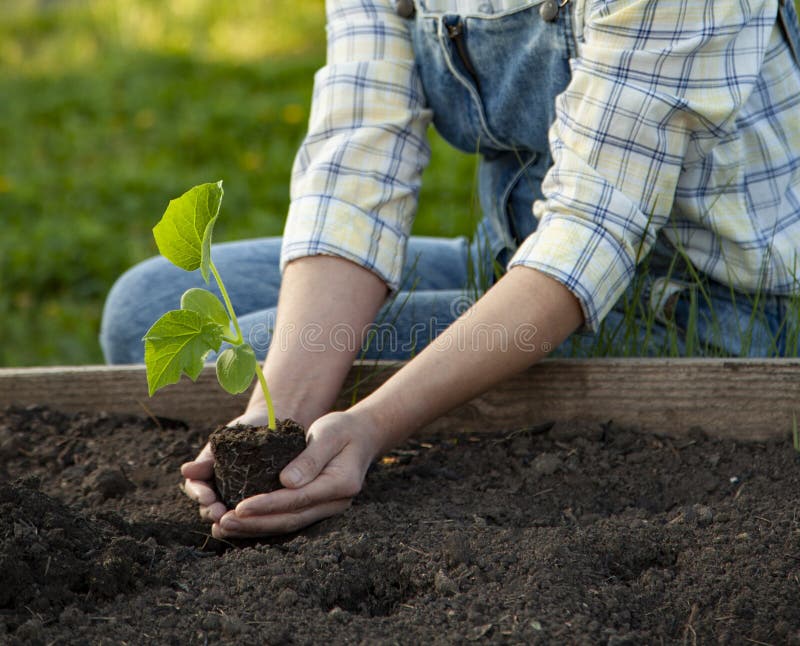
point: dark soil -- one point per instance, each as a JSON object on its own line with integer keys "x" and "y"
{"x": 248, "y": 460}
{"x": 572, "y": 535}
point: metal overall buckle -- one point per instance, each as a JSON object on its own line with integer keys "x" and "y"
{"x": 404, "y": 8}
{"x": 550, "y": 8}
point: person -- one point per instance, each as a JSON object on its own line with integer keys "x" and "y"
{"x": 623, "y": 142}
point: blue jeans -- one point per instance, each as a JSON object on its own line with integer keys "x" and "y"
{"x": 492, "y": 90}
{"x": 440, "y": 281}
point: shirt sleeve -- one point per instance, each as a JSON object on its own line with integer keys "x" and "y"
{"x": 355, "y": 180}
{"x": 656, "y": 87}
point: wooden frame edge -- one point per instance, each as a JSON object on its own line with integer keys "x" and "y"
{"x": 746, "y": 399}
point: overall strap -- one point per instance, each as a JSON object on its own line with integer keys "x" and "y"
{"x": 787, "y": 17}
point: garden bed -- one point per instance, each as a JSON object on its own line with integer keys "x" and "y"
{"x": 561, "y": 532}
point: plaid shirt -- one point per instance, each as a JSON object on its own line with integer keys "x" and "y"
{"x": 681, "y": 117}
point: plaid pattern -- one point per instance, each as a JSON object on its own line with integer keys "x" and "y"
{"x": 681, "y": 118}
{"x": 356, "y": 178}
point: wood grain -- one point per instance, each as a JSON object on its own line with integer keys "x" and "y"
{"x": 740, "y": 398}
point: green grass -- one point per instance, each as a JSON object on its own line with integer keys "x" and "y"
{"x": 111, "y": 107}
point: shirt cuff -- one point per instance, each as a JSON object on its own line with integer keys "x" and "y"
{"x": 583, "y": 257}
{"x": 322, "y": 225}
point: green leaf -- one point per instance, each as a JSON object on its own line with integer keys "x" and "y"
{"x": 207, "y": 304}
{"x": 183, "y": 234}
{"x": 236, "y": 368}
{"x": 178, "y": 343}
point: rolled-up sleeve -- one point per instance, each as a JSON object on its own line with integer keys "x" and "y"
{"x": 356, "y": 177}
{"x": 657, "y": 86}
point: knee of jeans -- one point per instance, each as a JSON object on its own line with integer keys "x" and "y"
{"x": 258, "y": 328}
{"x": 130, "y": 309}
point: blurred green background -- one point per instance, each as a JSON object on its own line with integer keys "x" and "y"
{"x": 109, "y": 108}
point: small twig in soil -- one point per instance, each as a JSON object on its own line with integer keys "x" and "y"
{"x": 97, "y": 618}
{"x": 209, "y": 537}
{"x": 152, "y": 560}
{"x": 536, "y": 429}
{"x": 677, "y": 519}
{"x": 35, "y": 614}
{"x": 672, "y": 448}
{"x": 205, "y": 542}
{"x": 415, "y": 549}
{"x": 689, "y": 629}
{"x": 570, "y": 515}
{"x": 150, "y": 415}
{"x": 647, "y": 614}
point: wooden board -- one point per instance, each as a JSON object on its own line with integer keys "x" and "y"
{"x": 740, "y": 398}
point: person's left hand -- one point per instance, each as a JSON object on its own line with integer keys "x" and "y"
{"x": 320, "y": 482}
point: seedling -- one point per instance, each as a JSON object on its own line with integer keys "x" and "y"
{"x": 795, "y": 434}
{"x": 180, "y": 340}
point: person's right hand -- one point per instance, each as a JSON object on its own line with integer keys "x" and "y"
{"x": 199, "y": 473}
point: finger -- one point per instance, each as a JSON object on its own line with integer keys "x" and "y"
{"x": 200, "y": 491}
{"x": 202, "y": 467}
{"x": 331, "y": 484}
{"x": 307, "y": 466}
{"x": 232, "y": 527}
{"x": 254, "y": 417}
{"x": 212, "y": 513}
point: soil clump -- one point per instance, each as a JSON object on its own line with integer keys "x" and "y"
{"x": 248, "y": 460}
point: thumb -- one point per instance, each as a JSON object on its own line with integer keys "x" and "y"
{"x": 202, "y": 467}
{"x": 322, "y": 448}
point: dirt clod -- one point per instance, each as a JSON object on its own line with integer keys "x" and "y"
{"x": 248, "y": 460}
{"x": 546, "y": 464}
{"x": 110, "y": 483}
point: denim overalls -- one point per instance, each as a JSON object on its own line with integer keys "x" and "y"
{"x": 491, "y": 76}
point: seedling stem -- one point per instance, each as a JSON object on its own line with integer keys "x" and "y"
{"x": 239, "y": 339}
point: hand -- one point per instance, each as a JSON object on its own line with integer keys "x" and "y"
{"x": 320, "y": 482}
{"x": 200, "y": 471}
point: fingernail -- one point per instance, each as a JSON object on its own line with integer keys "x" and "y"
{"x": 242, "y": 511}
{"x": 293, "y": 476}
{"x": 229, "y": 523}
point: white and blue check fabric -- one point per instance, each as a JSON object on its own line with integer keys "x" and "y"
{"x": 681, "y": 119}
